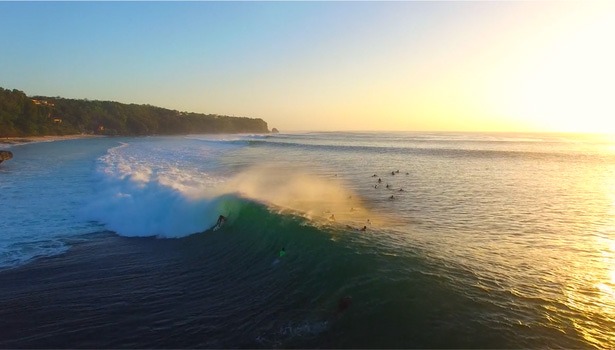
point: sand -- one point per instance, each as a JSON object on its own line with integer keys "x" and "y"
{"x": 28, "y": 139}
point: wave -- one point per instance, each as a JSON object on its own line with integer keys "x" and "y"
{"x": 400, "y": 282}
{"x": 440, "y": 151}
{"x": 156, "y": 197}
{"x": 492, "y": 146}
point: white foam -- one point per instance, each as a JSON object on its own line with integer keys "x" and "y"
{"x": 40, "y": 192}
{"x": 141, "y": 194}
{"x": 16, "y": 254}
{"x": 143, "y": 191}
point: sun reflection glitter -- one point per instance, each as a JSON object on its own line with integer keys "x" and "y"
{"x": 592, "y": 290}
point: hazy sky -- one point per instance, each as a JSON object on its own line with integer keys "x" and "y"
{"x": 458, "y": 66}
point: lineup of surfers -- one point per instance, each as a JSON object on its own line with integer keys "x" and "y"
{"x": 393, "y": 173}
{"x": 392, "y": 197}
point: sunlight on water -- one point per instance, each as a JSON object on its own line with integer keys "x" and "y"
{"x": 320, "y": 199}
{"x": 594, "y": 277}
{"x": 597, "y": 302}
{"x": 517, "y": 232}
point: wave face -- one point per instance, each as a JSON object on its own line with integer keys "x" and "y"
{"x": 470, "y": 240}
{"x": 144, "y": 192}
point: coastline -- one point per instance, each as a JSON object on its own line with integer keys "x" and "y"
{"x": 9, "y": 141}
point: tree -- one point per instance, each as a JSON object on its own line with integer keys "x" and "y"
{"x": 24, "y": 116}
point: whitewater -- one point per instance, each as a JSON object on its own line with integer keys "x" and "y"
{"x": 470, "y": 240}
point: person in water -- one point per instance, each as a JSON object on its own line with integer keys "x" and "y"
{"x": 221, "y": 220}
{"x": 364, "y": 228}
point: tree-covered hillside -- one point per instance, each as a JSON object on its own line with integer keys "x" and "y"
{"x": 21, "y": 115}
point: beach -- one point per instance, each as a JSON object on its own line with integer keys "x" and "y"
{"x": 48, "y": 138}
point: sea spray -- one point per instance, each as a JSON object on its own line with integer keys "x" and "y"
{"x": 296, "y": 189}
{"x": 137, "y": 197}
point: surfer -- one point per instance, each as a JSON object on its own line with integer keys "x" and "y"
{"x": 332, "y": 217}
{"x": 281, "y": 254}
{"x": 379, "y": 180}
{"x": 364, "y": 228}
{"x": 221, "y": 221}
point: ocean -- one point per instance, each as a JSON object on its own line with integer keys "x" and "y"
{"x": 392, "y": 240}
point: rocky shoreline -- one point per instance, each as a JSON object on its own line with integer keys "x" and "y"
{"x": 5, "y": 155}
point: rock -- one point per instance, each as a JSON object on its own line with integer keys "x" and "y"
{"x": 275, "y": 131}
{"x": 5, "y": 155}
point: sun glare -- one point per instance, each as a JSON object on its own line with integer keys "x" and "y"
{"x": 564, "y": 81}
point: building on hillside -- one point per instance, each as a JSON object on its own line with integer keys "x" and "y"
{"x": 43, "y": 102}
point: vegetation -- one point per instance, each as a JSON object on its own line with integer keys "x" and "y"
{"x": 21, "y": 115}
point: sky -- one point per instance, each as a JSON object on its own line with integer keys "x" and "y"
{"x": 327, "y": 66}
